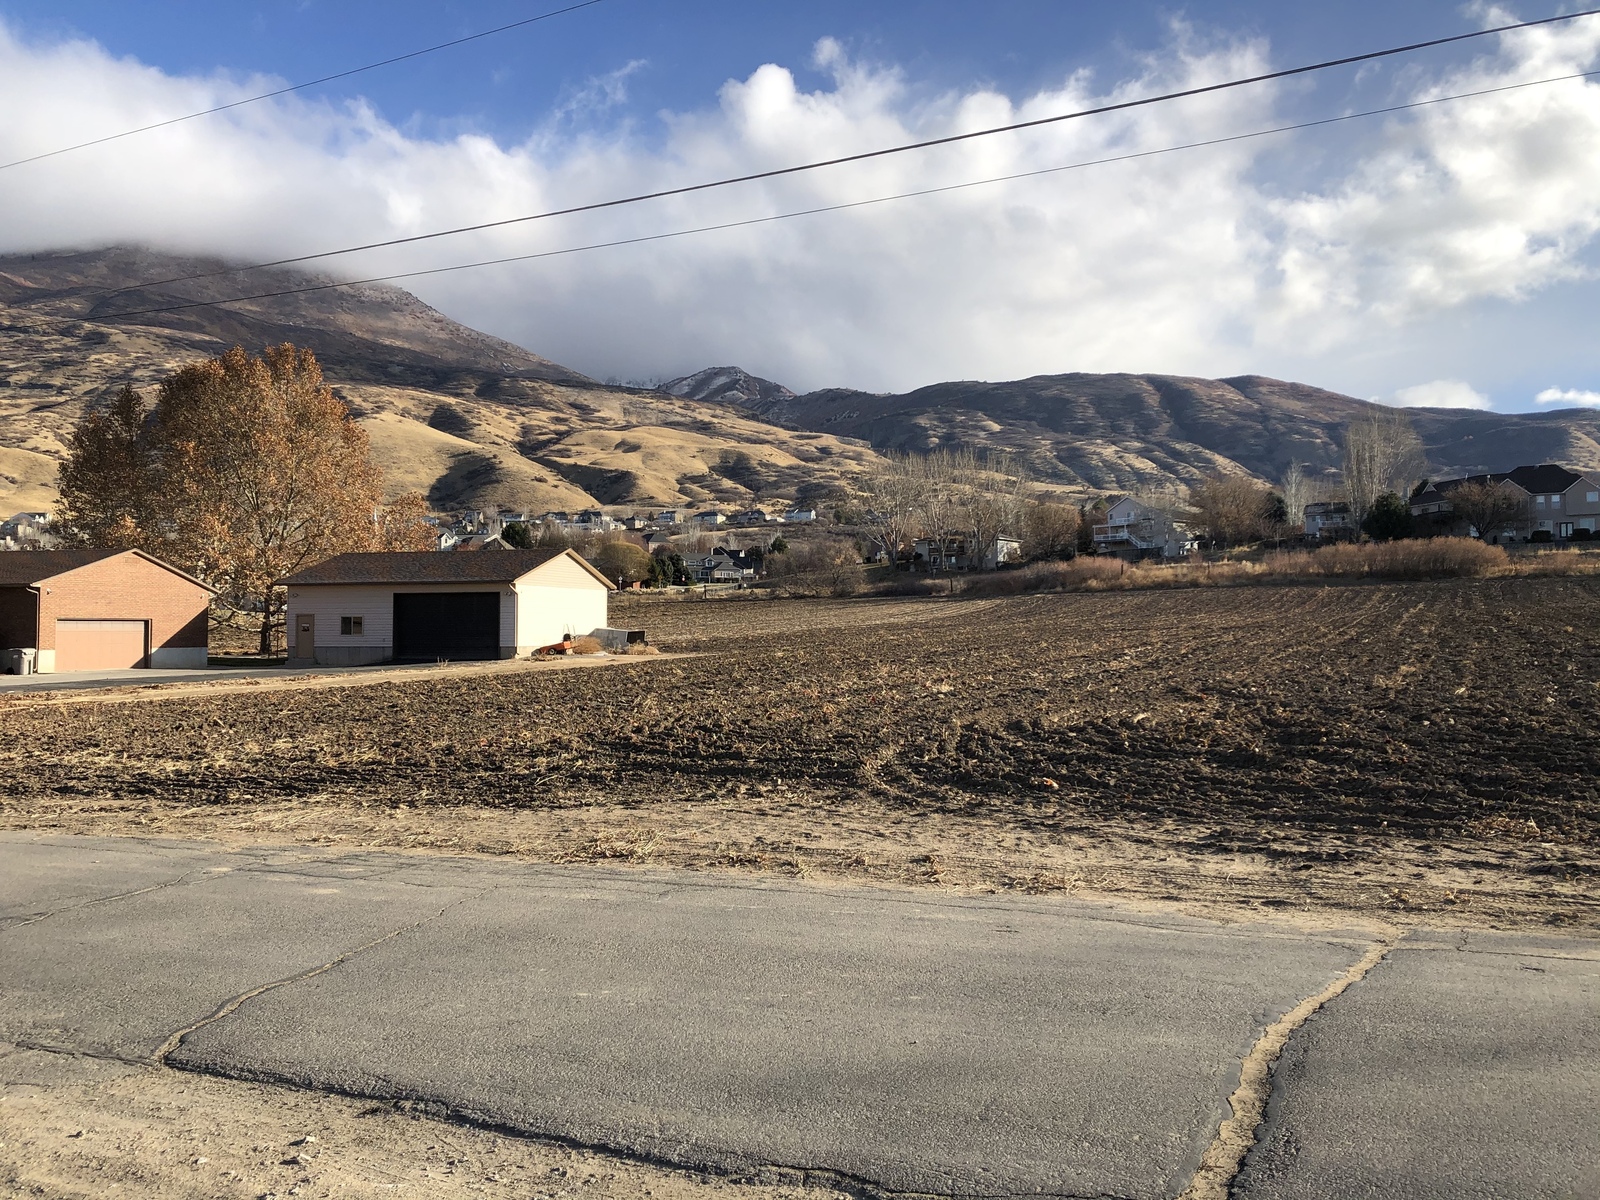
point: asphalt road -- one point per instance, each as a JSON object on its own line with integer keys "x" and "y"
{"x": 967, "y": 1046}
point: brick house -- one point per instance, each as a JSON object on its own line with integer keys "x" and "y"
{"x": 90, "y": 610}
{"x": 357, "y": 609}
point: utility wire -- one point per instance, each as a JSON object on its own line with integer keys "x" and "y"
{"x": 872, "y": 154}
{"x": 284, "y": 91}
{"x": 832, "y": 208}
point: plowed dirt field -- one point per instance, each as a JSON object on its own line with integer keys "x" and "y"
{"x": 1426, "y": 751}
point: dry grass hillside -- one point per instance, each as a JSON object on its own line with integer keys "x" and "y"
{"x": 465, "y": 418}
{"x": 1134, "y": 432}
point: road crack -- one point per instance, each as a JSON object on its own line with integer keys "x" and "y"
{"x": 231, "y": 1006}
{"x": 212, "y": 873}
{"x": 1220, "y": 1164}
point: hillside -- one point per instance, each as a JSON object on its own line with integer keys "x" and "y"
{"x": 470, "y": 420}
{"x": 1129, "y": 432}
{"x": 463, "y": 417}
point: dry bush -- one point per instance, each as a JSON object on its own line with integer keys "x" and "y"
{"x": 639, "y": 648}
{"x": 1429, "y": 558}
{"x": 902, "y": 584}
{"x": 1079, "y": 574}
{"x": 585, "y": 645}
{"x": 1555, "y": 562}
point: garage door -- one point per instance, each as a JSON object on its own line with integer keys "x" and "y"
{"x": 99, "y": 645}
{"x": 449, "y": 625}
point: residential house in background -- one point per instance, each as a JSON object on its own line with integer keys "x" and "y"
{"x": 1560, "y": 503}
{"x": 800, "y": 516}
{"x": 710, "y": 519}
{"x": 957, "y": 551}
{"x": 28, "y": 531}
{"x": 724, "y": 565}
{"x": 1134, "y": 530}
{"x": 1328, "y": 521}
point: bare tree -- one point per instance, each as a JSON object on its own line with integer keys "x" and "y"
{"x": 1382, "y": 453}
{"x": 895, "y": 489}
{"x": 945, "y": 475}
{"x": 1231, "y": 508}
{"x": 1490, "y": 508}
{"x": 1297, "y": 493}
{"x": 997, "y": 502}
{"x": 1050, "y": 531}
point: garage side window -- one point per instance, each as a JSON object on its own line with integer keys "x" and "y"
{"x": 350, "y": 626}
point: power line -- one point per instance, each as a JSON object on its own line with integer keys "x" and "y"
{"x": 284, "y": 91}
{"x": 832, "y": 208}
{"x": 864, "y": 156}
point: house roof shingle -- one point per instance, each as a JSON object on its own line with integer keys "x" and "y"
{"x": 430, "y": 566}
{"x": 1546, "y": 479}
{"x": 26, "y": 568}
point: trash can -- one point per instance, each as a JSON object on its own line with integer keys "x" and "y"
{"x": 25, "y": 660}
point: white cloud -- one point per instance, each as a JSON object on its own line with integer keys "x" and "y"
{"x": 1186, "y": 262}
{"x": 1441, "y": 393}
{"x": 1570, "y": 398}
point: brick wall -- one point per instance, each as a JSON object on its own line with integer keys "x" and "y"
{"x": 127, "y": 588}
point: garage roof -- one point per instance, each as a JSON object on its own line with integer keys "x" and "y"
{"x": 29, "y": 568}
{"x": 433, "y": 566}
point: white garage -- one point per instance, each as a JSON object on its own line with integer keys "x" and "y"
{"x": 356, "y": 609}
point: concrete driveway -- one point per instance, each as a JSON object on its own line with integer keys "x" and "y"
{"x": 971, "y": 1046}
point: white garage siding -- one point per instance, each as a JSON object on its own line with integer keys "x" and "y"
{"x": 557, "y": 599}
{"x": 374, "y": 604}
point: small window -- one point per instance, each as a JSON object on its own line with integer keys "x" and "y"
{"x": 350, "y": 626}
{"x": 1539, "y": 500}
{"x": 1555, "y": 501}
{"x": 1592, "y": 497}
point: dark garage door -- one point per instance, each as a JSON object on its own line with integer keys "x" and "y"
{"x": 451, "y": 625}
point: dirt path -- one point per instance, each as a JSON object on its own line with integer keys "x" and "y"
{"x": 294, "y": 683}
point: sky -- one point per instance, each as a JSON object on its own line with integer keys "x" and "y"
{"x": 1445, "y": 255}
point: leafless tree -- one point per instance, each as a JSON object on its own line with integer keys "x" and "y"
{"x": 895, "y": 491}
{"x": 1231, "y": 508}
{"x": 1490, "y": 508}
{"x": 997, "y": 503}
{"x": 1297, "y": 493}
{"x": 1050, "y": 531}
{"x": 943, "y": 506}
{"x": 1382, "y": 453}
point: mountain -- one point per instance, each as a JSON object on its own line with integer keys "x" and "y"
{"x": 1128, "y": 432}
{"x": 471, "y": 420}
{"x": 465, "y": 418}
{"x": 729, "y": 385}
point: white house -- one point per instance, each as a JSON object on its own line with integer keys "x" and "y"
{"x": 1328, "y": 520}
{"x": 955, "y": 552}
{"x": 1135, "y": 530}
{"x": 356, "y": 609}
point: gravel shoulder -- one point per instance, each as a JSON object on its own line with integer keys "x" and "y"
{"x": 74, "y": 1128}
